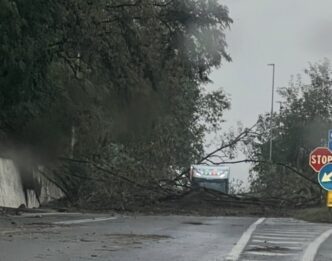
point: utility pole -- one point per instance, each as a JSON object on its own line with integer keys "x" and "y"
{"x": 271, "y": 116}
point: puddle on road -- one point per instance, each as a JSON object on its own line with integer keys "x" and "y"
{"x": 268, "y": 248}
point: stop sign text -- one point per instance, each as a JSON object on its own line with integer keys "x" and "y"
{"x": 320, "y": 157}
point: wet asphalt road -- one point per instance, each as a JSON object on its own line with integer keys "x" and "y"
{"x": 124, "y": 238}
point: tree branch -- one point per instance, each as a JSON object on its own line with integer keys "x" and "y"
{"x": 238, "y": 138}
{"x": 266, "y": 162}
{"x": 124, "y": 5}
{"x": 110, "y": 172}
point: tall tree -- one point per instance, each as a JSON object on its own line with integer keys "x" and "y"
{"x": 301, "y": 125}
{"x": 116, "y": 83}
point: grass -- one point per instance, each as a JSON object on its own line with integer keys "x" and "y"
{"x": 319, "y": 214}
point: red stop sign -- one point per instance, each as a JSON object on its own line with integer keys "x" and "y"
{"x": 319, "y": 157}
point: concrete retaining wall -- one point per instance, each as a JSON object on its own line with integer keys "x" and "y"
{"x": 12, "y": 192}
{"x": 49, "y": 191}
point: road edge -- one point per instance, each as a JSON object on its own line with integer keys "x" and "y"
{"x": 81, "y": 221}
{"x": 243, "y": 241}
{"x": 311, "y": 251}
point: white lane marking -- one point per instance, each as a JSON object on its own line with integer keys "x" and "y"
{"x": 10, "y": 231}
{"x": 49, "y": 214}
{"x": 277, "y": 242}
{"x": 280, "y": 237}
{"x": 304, "y": 234}
{"x": 283, "y": 235}
{"x": 80, "y": 221}
{"x": 311, "y": 251}
{"x": 265, "y": 253}
{"x": 241, "y": 244}
{"x": 288, "y": 230}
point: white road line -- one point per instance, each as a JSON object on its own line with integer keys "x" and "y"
{"x": 80, "y": 221}
{"x": 279, "y": 237}
{"x": 241, "y": 244}
{"x": 283, "y": 235}
{"x": 50, "y": 214}
{"x": 311, "y": 251}
{"x": 266, "y": 253}
{"x": 10, "y": 231}
{"x": 304, "y": 233}
{"x": 293, "y": 230}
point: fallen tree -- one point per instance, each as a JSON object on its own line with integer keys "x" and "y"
{"x": 150, "y": 191}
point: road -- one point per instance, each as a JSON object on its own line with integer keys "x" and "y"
{"x": 76, "y": 236}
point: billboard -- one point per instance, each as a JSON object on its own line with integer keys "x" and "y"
{"x": 210, "y": 172}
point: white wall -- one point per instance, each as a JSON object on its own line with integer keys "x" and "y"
{"x": 11, "y": 189}
{"x": 49, "y": 191}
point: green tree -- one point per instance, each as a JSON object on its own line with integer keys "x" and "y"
{"x": 301, "y": 125}
{"x": 116, "y": 84}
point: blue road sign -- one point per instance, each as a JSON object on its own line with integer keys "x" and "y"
{"x": 330, "y": 140}
{"x": 325, "y": 177}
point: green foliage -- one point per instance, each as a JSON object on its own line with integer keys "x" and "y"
{"x": 84, "y": 79}
{"x": 25, "y": 32}
{"x": 301, "y": 125}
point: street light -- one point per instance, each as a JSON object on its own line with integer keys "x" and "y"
{"x": 271, "y": 119}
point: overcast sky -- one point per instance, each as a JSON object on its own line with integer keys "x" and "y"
{"x": 289, "y": 33}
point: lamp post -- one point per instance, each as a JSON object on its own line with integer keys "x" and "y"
{"x": 271, "y": 116}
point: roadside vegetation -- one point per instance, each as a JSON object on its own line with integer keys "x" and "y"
{"x": 109, "y": 97}
{"x": 300, "y": 125}
{"x": 317, "y": 214}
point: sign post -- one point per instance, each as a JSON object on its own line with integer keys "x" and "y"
{"x": 320, "y": 160}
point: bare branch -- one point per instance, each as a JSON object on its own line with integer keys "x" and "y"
{"x": 233, "y": 142}
{"x": 163, "y": 5}
{"x": 267, "y": 162}
{"x": 111, "y": 171}
{"x": 136, "y": 3}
